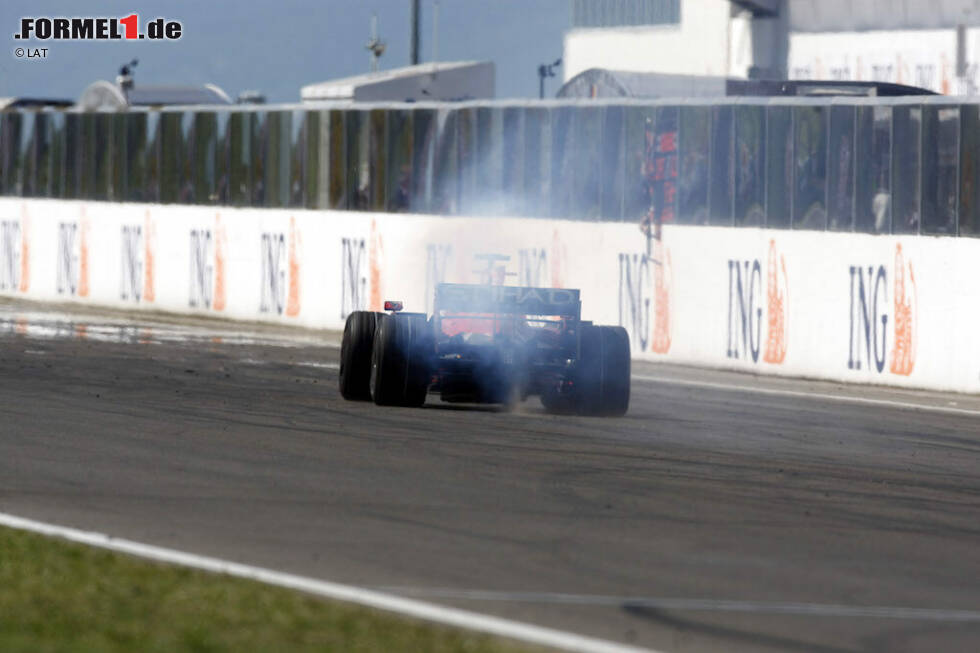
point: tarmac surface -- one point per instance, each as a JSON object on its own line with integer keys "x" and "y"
{"x": 725, "y": 512}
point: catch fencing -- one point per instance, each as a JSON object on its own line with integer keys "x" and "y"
{"x": 867, "y": 165}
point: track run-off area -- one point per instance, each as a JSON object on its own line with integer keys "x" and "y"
{"x": 724, "y": 512}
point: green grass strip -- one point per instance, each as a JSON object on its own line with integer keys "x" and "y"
{"x": 60, "y": 596}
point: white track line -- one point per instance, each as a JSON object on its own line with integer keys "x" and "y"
{"x": 326, "y": 366}
{"x": 707, "y": 605}
{"x": 864, "y": 401}
{"x": 371, "y": 598}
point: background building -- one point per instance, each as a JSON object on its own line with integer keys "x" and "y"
{"x": 444, "y": 81}
{"x": 688, "y": 37}
{"x": 928, "y": 43}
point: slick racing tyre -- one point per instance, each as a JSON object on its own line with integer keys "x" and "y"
{"x": 355, "y": 355}
{"x": 603, "y": 383}
{"x": 399, "y": 369}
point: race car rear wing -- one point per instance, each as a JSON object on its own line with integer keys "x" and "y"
{"x": 467, "y": 298}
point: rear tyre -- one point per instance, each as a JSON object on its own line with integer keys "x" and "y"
{"x": 418, "y": 374}
{"x": 355, "y": 355}
{"x": 603, "y": 383}
{"x": 399, "y": 369}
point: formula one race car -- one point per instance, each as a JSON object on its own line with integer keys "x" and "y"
{"x": 488, "y": 344}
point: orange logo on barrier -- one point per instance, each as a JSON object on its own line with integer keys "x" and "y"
{"x": 746, "y": 297}
{"x": 83, "y": 289}
{"x": 558, "y": 254}
{"x": 777, "y": 309}
{"x": 944, "y": 85}
{"x": 219, "y": 264}
{"x": 904, "y": 349}
{"x": 375, "y": 254}
{"x": 662, "y": 278}
{"x": 25, "y": 251}
{"x": 148, "y": 286}
{"x": 292, "y": 301}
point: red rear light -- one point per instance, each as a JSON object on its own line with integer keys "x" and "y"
{"x": 393, "y": 306}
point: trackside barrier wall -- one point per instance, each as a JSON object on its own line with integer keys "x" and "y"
{"x": 895, "y": 310}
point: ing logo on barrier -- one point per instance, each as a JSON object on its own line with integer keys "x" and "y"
{"x": 15, "y": 271}
{"x": 776, "y": 307}
{"x": 906, "y": 307}
{"x": 376, "y": 253}
{"x": 661, "y": 300}
{"x": 67, "y": 259}
{"x": 559, "y": 257}
{"x": 131, "y": 281}
{"x": 136, "y": 281}
{"x": 73, "y": 259}
{"x": 532, "y": 267}
{"x": 646, "y": 280}
{"x": 273, "y": 291}
{"x": 207, "y": 267}
{"x": 540, "y": 268}
{"x": 745, "y": 308}
{"x": 360, "y": 273}
{"x": 868, "y": 323}
{"x": 280, "y": 289}
{"x": 868, "y": 317}
{"x": 353, "y": 276}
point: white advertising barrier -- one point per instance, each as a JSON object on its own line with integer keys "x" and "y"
{"x": 856, "y": 308}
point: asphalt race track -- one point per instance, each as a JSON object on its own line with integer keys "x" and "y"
{"x": 724, "y": 512}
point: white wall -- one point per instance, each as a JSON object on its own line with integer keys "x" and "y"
{"x": 698, "y": 46}
{"x": 849, "y": 307}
